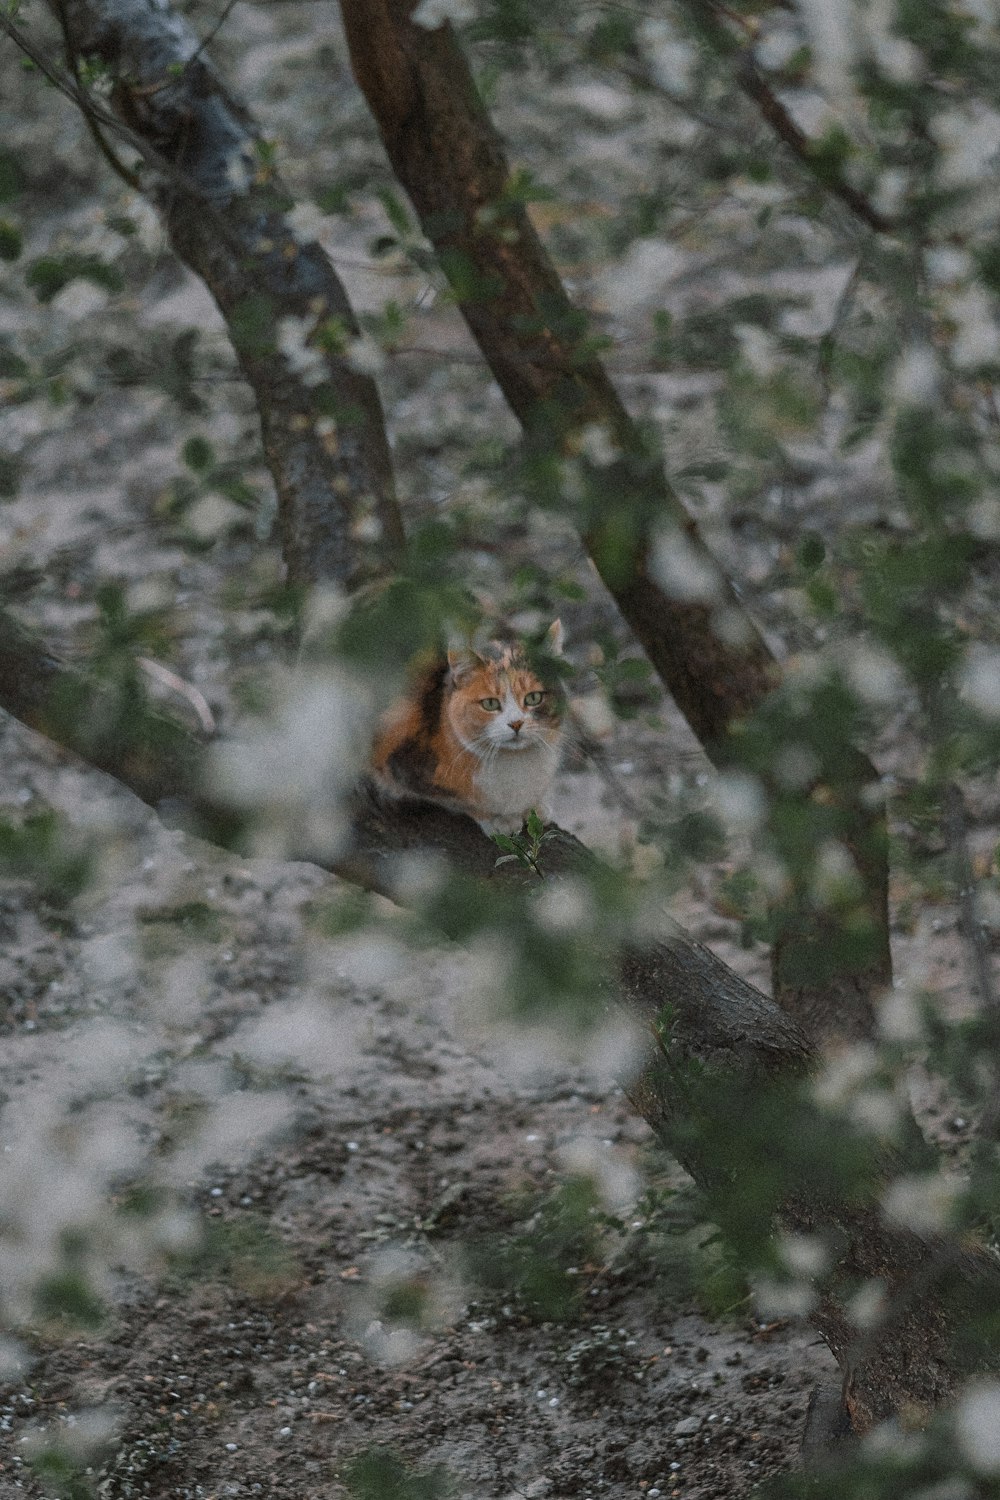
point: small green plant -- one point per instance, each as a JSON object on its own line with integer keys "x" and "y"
{"x": 524, "y": 847}
{"x": 380, "y": 1474}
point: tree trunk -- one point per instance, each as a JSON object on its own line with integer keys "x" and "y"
{"x": 448, "y": 156}
{"x": 224, "y": 208}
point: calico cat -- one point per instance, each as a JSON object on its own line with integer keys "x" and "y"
{"x": 480, "y": 731}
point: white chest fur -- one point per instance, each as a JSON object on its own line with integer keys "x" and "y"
{"x": 511, "y": 782}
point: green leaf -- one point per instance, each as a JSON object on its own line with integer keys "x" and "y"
{"x": 198, "y": 454}
{"x": 50, "y": 273}
{"x": 11, "y": 242}
{"x": 395, "y": 211}
{"x": 812, "y": 552}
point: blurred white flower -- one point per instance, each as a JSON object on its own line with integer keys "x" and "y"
{"x": 868, "y": 1306}
{"x": 306, "y": 222}
{"x": 898, "y": 59}
{"x": 805, "y": 1254}
{"x": 979, "y": 682}
{"x": 564, "y": 906}
{"x": 922, "y": 1203}
{"x": 759, "y": 349}
{"x": 434, "y": 13}
{"x": 365, "y": 356}
{"x": 303, "y": 358}
{"x": 777, "y": 47}
{"x": 969, "y": 140}
{"x": 899, "y": 1018}
{"x": 843, "y": 1073}
{"x": 293, "y": 769}
{"x": 977, "y": 1425}
{"x": 78, "y": 299}
{"x": 682, "y": 570}
{"x": 977, "y": 334}
{"x": 946, "y": 265}
{"x": 740, "y": 800}
{"x": 832, "y": 29}
{"x": 615, "y": 1179}
{"x": 597, "y": 445}
{"x": 917, "y": 377}
{"x": 784, "y": 1299}
{"x": 670, "y": 56}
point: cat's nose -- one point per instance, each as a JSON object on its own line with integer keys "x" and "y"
{"x": 515, "y": 724}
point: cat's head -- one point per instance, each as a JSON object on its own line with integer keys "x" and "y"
{"x": 500, "y": 697}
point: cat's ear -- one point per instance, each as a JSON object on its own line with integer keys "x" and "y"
{"x": 461, "y": 657}
{"x": 554, "y": 638}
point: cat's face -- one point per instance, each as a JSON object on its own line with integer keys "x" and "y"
{"x": 497, "y": 703}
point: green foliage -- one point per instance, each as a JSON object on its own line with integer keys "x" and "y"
{"x": 11, "y": 243}
{"x": 60, "y": 1473}
{"x": 540, "y": 1266}
{"x": 381, "y": 1474}
{"x": 524, "y": 848}
{"x": 42, "y": 848}
{"x": 245, "y": 1253}
{"x": 50, "y": 273}
{"x": 66, "y": 1299}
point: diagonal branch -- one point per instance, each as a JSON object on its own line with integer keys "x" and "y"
{"x": 448, "y": 156}
{"x": 225, "y": 211}
{"x": 710, "y": 18}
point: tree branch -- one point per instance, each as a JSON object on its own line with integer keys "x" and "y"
{"x": 224, "y": 207}
{"x": 710, "y": 21}
{"x": 448, "y": 156}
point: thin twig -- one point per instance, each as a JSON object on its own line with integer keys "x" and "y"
{"x": 752, "y": 82}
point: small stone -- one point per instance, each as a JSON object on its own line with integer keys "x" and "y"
{"x": 687, "y": 1426}
{"x": 537, "y": 1488}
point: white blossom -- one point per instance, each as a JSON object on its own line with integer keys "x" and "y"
{"x": 977, "y": 1425}
{"x": 740, "y": 800}
{"x": 969, "y": 140}
{"x": 303, "y": 358}
{"x": 805, "y": 1254}
{"x": 979, "y": 683}
{"x": 597, "y": 445}
{"x": 977, "y": 334}
{"x": 78, "y": 299}
{"x": 365, "y": 356}
{"x": 434, "y": 13}
{"x": 784, "y": 1299}
{"x": 867, "y": 1307}
{"x": 671, "y": 57}
{"x": 899, "y": 1018}
{"x": 306, "y": 222}
{"x": 916, "y": 379}
{"x": 923, "y": 1202}
{"x": 684, "y": 571}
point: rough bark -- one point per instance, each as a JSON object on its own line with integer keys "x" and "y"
{"x": 448, "y": 156}
{"x": 450, "y": 160}
{"x": 224, "y": 208}
{"x": 718, "y": 1052}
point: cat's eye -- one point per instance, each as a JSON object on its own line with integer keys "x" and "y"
{"x": 532, "y": 700}
{"x": 492, "y": 705}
